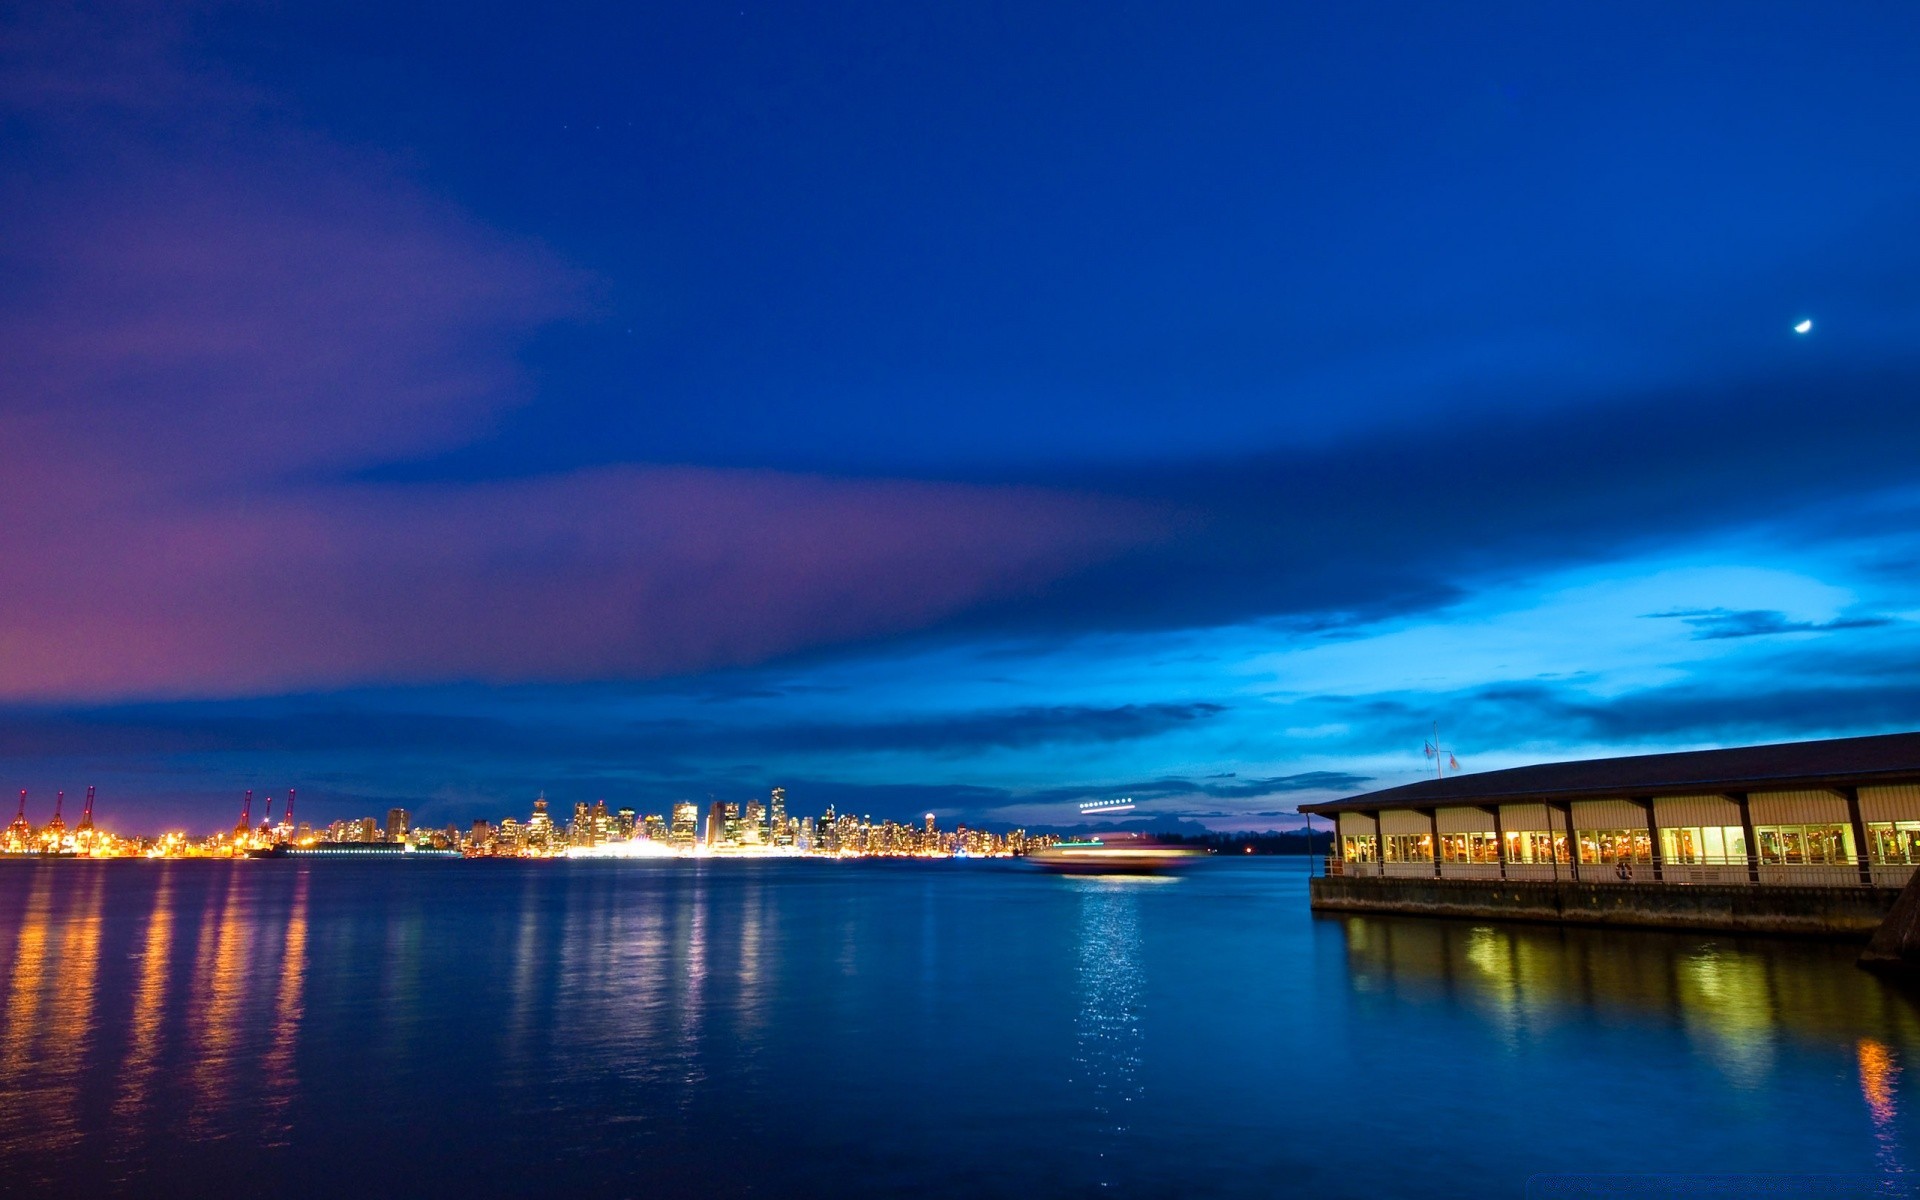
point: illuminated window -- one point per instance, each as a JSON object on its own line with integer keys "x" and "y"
{"x": 1709, "y": 845}
{"x": 1360, "y": 848}
{"x": 1534, "y": 846}
{"x": 1409, "y": 847}
{"x": 1615, "y": 846}
{"x": 1894, "y": 842}
{"x": 1804, "y": 845}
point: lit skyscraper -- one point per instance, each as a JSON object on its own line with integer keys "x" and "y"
{"x": 397, "y": 824}
{"x": 685, "y": 829}
{"x": 540, "y": 825}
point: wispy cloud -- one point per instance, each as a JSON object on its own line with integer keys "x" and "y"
{"x": 1719, "y": 624}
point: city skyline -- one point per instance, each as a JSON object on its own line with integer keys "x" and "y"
{"x": 723, "y": 829}
{"x": 973, "y": 412}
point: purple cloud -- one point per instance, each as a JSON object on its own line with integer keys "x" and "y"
{"x": 204, "y": 347}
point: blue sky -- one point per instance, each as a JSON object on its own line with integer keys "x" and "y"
{"x": 969, "y": 410}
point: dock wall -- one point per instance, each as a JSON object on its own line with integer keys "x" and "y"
{"x": 1853, "y": 913}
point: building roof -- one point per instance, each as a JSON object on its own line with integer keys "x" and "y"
{"x": 1836, "y": 762}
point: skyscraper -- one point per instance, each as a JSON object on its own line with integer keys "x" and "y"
{"x": 397, "y": 825}
{"x": 778, "y": 833}
{"x": 685, "y": 829}
{"x": 540, "y": 825}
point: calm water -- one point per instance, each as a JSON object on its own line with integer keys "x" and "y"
{"x": 962, "y": 1029}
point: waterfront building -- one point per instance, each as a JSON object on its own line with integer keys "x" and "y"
{"x": 654, "y": 828}
{"x": 1834, "y": 813}
{"x": 625, "y": 824}
{"x": 397, "y": 824}
{"x": 777, "y": 818}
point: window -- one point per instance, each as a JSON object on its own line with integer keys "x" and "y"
{"x": 1536, "y": 847}
{"x": 1361, "y": 848}
{"x": 1410, "y": 847}
{"x": 1469, "y": 847}
{"x": 1894, "y": 842}
{"x": 1713, "y": 845}
{"x": 1615, "y": 845}
{"x": 1804, "y": 845}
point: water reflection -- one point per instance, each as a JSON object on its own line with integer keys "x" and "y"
{"x": 693, "y": 996}
{"x": 283, "y": 1026}
{"x": 149, "y": 1006}
{"x": 1106, "y": 1033}
{"x": 1878, "y": 1075}
{"x": 1735, "y": 995}
{"x": 68, "y": 1020}
{"x": 26, "y": 985}
{"x": 219, "y": 975}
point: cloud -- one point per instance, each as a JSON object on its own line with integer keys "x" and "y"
{"x": 1718, "y": 624}
{"x": 1381, "y": 525}
{"x": 330, "y": 727}
{"x": 210, "y": 352}
{"x": 216, "y": 349}
{"x": 1744, "y": 707}
{"x": 1174, "y": 786}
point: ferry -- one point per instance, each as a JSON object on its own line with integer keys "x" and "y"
{"x": 1115, "y": 854}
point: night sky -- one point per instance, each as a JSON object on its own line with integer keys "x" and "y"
{"x": 970, "y": 408}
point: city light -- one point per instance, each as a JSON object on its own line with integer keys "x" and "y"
{"x": 726, "y": 829}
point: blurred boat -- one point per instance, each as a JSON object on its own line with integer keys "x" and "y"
{"x": 1115, "y": 854}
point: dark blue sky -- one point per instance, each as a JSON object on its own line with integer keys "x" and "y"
{"x": 973, "y": 409}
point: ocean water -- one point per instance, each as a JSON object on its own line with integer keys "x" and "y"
{"x": 665, "y": 1029}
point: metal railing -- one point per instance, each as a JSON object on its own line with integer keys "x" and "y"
{"x": 1697, "y": 869}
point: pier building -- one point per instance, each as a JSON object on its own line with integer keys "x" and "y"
{"x": 1695, "y": 838}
